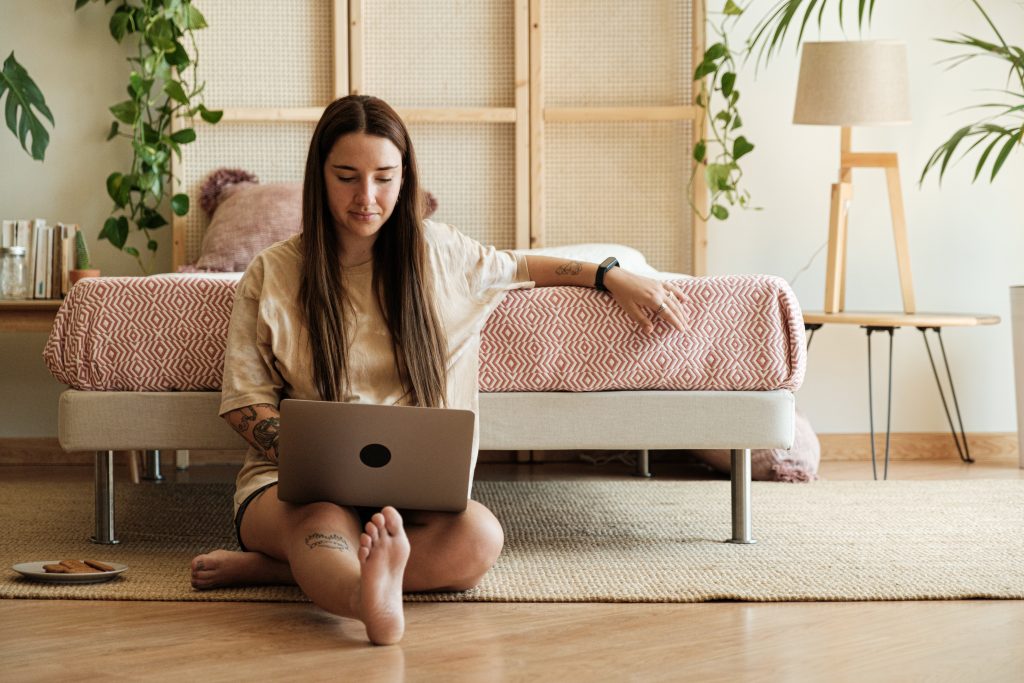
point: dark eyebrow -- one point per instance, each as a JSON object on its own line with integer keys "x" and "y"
{"x": 343, "y": 167}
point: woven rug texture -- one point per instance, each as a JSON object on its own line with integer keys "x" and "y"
{"x": 588, "y": 541}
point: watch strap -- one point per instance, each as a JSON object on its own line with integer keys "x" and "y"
{"x": 606, "y": 265}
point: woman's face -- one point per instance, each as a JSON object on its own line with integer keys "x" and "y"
{"x": 363, "y": 177}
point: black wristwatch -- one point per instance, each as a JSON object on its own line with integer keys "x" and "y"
{"x": 606, "y": 265}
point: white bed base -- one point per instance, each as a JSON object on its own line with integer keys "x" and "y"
{"x": 105, "y": 422}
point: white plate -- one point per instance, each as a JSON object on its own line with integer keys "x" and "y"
{"x": 35, "y": 571}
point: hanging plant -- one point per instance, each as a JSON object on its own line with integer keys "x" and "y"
{"x": 162, "y": 86}
{"x": 720, "y": 149}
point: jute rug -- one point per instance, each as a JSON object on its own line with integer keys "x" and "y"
{"x": 587, "y": 541}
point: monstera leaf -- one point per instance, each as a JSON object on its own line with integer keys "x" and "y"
{"x": 22, "y": 96}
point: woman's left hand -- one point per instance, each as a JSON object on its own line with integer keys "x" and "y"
{"x": 644, "y": 299}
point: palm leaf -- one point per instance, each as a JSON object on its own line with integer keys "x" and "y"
{"x": 23, "y": 95}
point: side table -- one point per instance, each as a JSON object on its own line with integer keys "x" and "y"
{"x": 888, "y": 322}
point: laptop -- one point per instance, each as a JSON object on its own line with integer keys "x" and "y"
{"x": 372, "y": 455}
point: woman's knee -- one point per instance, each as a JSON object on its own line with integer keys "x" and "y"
{"x": 482, "y": 541}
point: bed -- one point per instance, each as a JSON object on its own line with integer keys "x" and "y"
{"x": 560, "y": 369}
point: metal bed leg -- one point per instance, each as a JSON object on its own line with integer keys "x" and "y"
{"x": 151, "y": 466}
{"x": 643, "y": 464}
{"x": 741, "y": 527}
{"x": 104, "y": 493}
{"x": 181, "y": 459}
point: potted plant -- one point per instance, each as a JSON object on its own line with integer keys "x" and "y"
{"x": 83, "y": 266}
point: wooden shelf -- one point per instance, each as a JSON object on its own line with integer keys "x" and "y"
{"x": 29, "y": 315}
{"x": 896, "y": 319}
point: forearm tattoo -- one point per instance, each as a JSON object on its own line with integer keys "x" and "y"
{"x": 571, "y": 268}
{"x": 265, "y": 434}
{"x": 330, "y": 541}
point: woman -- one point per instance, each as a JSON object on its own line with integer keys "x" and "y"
{"x": 372, "y": 304}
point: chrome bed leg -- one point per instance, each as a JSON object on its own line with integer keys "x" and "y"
{"x": 104, "y": 493}
{"x": 151, "y": 466}
{"x": 741, "y": 532}
{"x": 643, "y": 464}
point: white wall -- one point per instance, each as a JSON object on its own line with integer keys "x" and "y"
{"x": 967, "y": 241}
{"x": 81, "y": 71}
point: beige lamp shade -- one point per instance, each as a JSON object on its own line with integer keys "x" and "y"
{"x": 853, "y": 83}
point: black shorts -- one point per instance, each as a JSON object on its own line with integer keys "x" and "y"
{"x": 365, "y": 513}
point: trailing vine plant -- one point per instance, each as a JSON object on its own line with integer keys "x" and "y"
{"x": 162, "y": 86}
{"x": 719, "y": 150}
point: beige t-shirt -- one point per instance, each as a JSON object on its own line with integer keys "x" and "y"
{"x": 268, "y": 356}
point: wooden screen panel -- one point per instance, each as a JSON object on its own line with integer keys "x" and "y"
{"x": 622, "y": 183}
{"x": 612, "y": 149}
{"x": 274, "y": 152}
{"x": 267, "y": 53}
{"x": 438, "y": 53}
{"x": 470, "y": 169}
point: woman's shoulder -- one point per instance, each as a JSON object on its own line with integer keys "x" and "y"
{"x": 281, "y": 260}
{"x": 286, "y": 254}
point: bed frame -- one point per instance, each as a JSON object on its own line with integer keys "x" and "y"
{"x": 518, "y": 115}
{"x": 636, "y": 420}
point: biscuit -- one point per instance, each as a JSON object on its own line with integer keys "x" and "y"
{"x": 96, "y": 564}
{"x": 55, "y": 569}
{"x": 78, "y": 567}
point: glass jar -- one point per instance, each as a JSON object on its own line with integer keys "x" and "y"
{"x": 14, "y": 282}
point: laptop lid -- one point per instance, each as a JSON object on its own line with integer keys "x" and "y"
{"x": 372, "y": 455}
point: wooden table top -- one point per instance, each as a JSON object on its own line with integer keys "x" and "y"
{"x": 899, "y": 319}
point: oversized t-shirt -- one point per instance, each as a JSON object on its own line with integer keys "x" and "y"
{"x": 268, "y": 357}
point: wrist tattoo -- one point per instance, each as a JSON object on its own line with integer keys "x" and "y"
{"x": 330, "y": 541}
{"x": 571, "y": 268}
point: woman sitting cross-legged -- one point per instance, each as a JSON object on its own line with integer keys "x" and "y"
{"x": 371, "y": 303}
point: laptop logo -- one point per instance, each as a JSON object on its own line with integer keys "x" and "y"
{"x": 375, "y": 455}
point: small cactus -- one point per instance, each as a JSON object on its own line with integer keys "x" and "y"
{"x": 81, "y": 252}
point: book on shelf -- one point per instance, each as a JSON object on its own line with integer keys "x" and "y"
{"x": 50, "y": 253}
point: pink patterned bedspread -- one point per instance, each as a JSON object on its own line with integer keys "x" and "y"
{"x": 168, "y": 332}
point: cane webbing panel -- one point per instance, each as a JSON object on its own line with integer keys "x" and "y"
{"x": 470, "y": 168}
{"x": 610, "y": 53}
{"x": 449, "y": 53}
{"x": 624, "y": 183}
{"x": 266, "y": 53}
{"x": 275, "y": 152}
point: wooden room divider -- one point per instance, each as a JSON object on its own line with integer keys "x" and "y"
{"x": 536, "y": 122}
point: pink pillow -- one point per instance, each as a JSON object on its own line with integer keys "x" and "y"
{"x": 799, "y": 463}
{"x": 245, "y": 218}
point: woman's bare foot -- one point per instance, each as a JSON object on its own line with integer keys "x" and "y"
{"x": 231, "y": 568}
{"x": 383, "y": 552}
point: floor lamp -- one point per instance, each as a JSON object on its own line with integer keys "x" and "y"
{"x": 857, "y": 83}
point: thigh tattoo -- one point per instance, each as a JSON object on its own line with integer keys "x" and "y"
{"x": 330, "y": 541}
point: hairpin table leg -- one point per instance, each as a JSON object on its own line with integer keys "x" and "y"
{"x": 961, "y": 442}
{"x": 871, "y": 404}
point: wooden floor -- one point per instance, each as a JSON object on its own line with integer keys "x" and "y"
{"x": 876, "y": 641}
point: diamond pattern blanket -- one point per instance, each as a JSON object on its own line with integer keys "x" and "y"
{"x": 168, "y": 333}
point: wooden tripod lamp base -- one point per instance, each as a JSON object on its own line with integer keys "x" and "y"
{"x": 842, "y": 194}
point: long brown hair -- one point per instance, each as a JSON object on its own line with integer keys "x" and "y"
{"x": 405, "y": 297}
